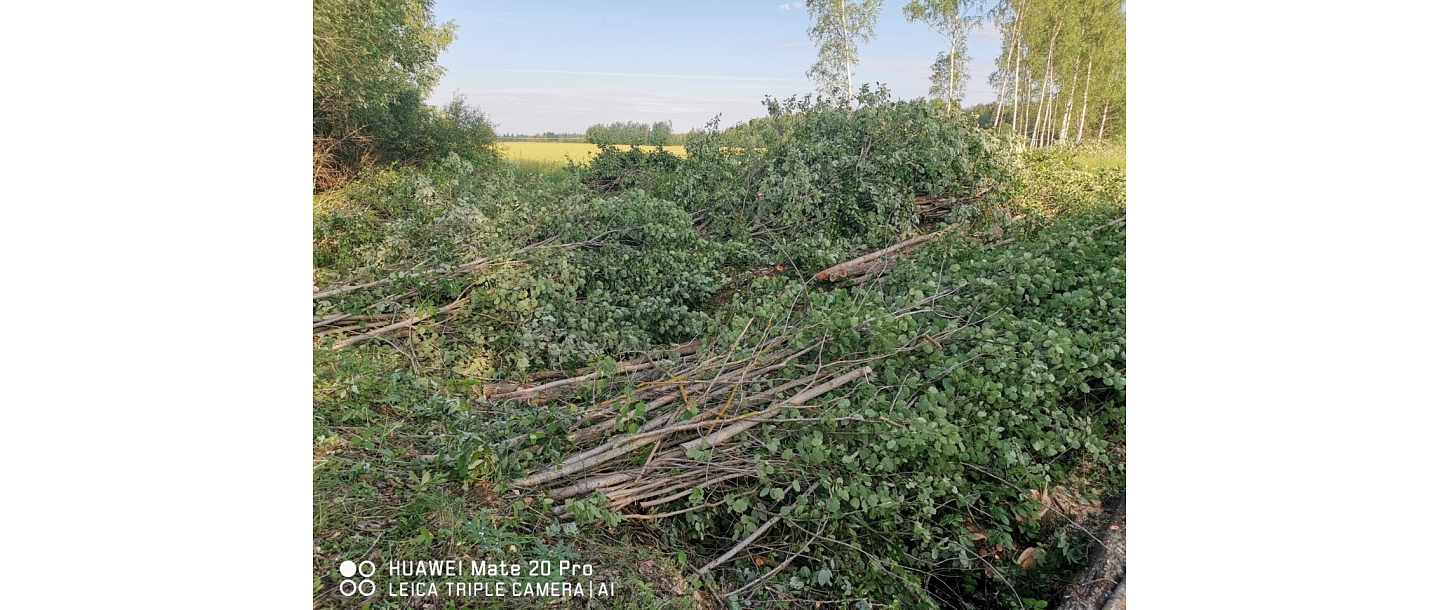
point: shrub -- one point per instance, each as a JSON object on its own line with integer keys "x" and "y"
{"x": 613, "y": 169}
{"x": 820, "y": 166}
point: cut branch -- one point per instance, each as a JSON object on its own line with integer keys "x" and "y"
{"x": 862, "y": 265}
{"x": 406, "y": 323}
{"x": 748, "y": 539}
{"x": 677, "y": 352}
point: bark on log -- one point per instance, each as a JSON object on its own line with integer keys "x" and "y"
{"x": 1098, "y": 582}
{"x": 860, "y": 265}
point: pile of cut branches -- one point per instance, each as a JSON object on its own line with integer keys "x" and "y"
{"x": 875, "y": 439}
{"x": 368, "y": 321}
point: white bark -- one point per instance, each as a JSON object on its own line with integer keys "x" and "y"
{"x": 1000, "y": 99}
{"x": 1103, "y": 114}
{"x": 849, "y": 60}
{"x": 1015, "y": 112}
{"x": 1041, "y": 122}
{"x": 1070, "y": 101}
{"x": 1084, "y": 101}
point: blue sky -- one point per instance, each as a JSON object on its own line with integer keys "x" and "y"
{"x": 562, "y": 65}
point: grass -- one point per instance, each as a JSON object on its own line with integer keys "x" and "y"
{"x": 546, "y": 157}
{"x": 1106, "y": 156}
{"x": 402, "y": 470}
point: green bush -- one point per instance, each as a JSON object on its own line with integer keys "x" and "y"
{"x": 613, "y": 169}
{"x": 818, "y": 167}
{"x": 634, "y": 274}
{"x": 374, "y": 65}
{"x": 601, "y": 275}
{"x": 933, "y": 457}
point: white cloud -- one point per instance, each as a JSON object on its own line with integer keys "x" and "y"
{"x": 784, "y": 7}
{"x": 987, "y": 33}
{"x": 797, "y": 5}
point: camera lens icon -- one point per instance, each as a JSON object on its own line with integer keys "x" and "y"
{"x": 365, "y": 569}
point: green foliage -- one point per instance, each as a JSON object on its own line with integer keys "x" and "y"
{"x": 374, "y": 64}
{"x": 996, "y": 369}
{"x": 951, "y": 19}
{"x": 1062, "y": 74}
{"x": 409, "y": 130}
{"x": 837, "y": 28}
{"x": 602, "y": 275}
{"x": 826, "y": 174}
{"x": 1054, "y": 180}
{"x": 369, "y": 52}
{"x": 931, "y": 459}
{"x": 452, "y": 212}
{"x": 640, "y": 276}
{"x": 633, "y": 168}
{"x": 629, "y": 133}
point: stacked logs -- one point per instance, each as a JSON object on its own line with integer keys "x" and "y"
{"x": 696, "y": 405}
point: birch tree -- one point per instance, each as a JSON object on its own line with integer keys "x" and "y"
{"x": 951, "y": 19}
{"x": 837, "y": 29}
{"x": 1061, "y": 71}
{"x": 1008, "y": 17}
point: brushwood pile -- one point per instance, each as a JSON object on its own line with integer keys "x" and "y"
{"x": 646, "y": 351}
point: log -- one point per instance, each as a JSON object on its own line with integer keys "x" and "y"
{"x": 1104, "y": 578}
{"x": 1117, "y": 597}
{"x": 328, "y": 320}
{"x": 859, "y": 266}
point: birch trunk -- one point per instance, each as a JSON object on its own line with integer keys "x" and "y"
{"x": 1048, "y": 136}
{"x": 1084, "y": 101}
{"x": 1040, "y": 111}
{"x": 1000, "y": 99}
{"x": 1103, "y": 114}
{"x": 845, "y": 31}
{"x": 1025, "y": 116}
{"x": 1014, "y": 52}
{"x": 1038, "y": 137}
{"x": 1045, "y": 93}
{"x": 1039, "y": 116}
{"x": 950, "y": 84}
{"x": 1070, "y": 101}
{"x": 1015, "y": 112}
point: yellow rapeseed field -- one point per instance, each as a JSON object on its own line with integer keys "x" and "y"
{"x": 546, "y": 157}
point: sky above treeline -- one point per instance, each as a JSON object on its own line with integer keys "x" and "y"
{"x": 563, "y": 65}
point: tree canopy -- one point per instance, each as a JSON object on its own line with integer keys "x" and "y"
{"x": 837, "y": 28}
{"x": 374, "y": 64}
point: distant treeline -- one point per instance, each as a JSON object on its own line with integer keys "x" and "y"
{"x": 548, "y": 136}
{"x": 632, "y": 133}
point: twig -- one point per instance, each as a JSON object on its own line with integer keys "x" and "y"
{"x": 401, "y": 324}
{"x": 748, "y": 539}
{"x": 766, "y": 576}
